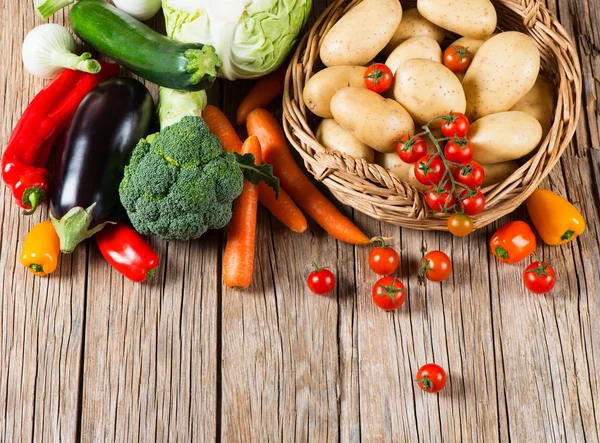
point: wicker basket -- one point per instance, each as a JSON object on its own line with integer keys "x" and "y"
{"x": 379, "y": 193}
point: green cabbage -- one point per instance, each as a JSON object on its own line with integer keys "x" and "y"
{"x": 252, "y": 37}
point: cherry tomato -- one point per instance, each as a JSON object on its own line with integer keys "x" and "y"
{"x": 539, "y": 278}
{"x": 513, "y": 242}
{"x": 459, "y": 150}
{"x": 460, "y": 225}
{"x": 321, "y": 281}
{"x": 389, "y": 293}
{"x": 456, "y": 125}
{"x": 472, "y": 204}
{"x": 440, "y": 199}
{"x": 411, "y": 149}
{"x": 383, "y": 260}
{"x": 430, "y": 169}
{"x": 378, "y": 77}
{"x": 457, "y": 58}
{"x": 435, "y": 266}
{"x": 470, "y": 175}
{"x": 431, "y": 378}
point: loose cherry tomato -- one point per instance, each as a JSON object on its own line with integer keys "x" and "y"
{"x": 456, "y": 125}
{"x": 457, "y": 58}
{"x": 470, "y": 175}
{"x": 383, "y": 260}
{"x": 411, "y": 149}
{"x": 440, "y": 199}
{"x": 459, "y": 150}
{"x": 431, "y": 378}
{"x": 321, "y": 281}
{"x": 513, "y": 242}
{"x": 539, "y": 278}
{"x": 389, "y": 293}
{"x": 435, "y": 266}
{"x": 460, "y": 225}
{"x": 472, "y": 205}
{"x": 430, "y": 170}
{"x": 378, "y": 78}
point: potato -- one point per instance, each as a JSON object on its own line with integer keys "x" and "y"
{"x": 362, "y": 33}
{"x": 376, "y": 121}
{"x": 504, "y": 69}
{"x": 414, "y": 25}
{"x": 416, "y": 47}
{"x": 539, "y": 103}
{"x": 498, "y": 172}
{"x": 404, "y": 171}
{"x": 428, "y": 89}
{"x": 505, "y": 136}
{"x": 334, "y": 137}
{"x": 469, "y": 18}
{"x": 321, "y": 87}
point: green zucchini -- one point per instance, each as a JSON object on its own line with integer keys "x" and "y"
{"x": 145, "y": 52}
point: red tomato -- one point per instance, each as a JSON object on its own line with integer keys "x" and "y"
{"x": 472, "y": 205}
{"x": 431, "y": 378}
{"x": 321, "y": 281}
{"x": 378, "y": 77}
{"x": 539, "y": 278}
{"x": 411, "y": 149}
{"x": 460, "y": 225}
{"x": 459, "y": 150}
{"x": 457, "y": 58}
{"x": 430, "y": 169}
{"x": 383, "y": 260}
{"x": 470, "y": 175}
{"x": 456, "y": 125}
{"x": 440, "y": 200}
{"x": 436, "y": 266}
{"x": 389, "y": 293}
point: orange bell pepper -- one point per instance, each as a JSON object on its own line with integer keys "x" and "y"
{"x": 556, "y": 219}
{"x": 513, "y": 242}
{"x": 41, "y": 249}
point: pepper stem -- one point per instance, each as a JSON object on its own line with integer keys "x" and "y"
{"x": 501, "y": 252}
{"x": 150, "y": 273}
{"x": 567, "y": 235}
{"x": 36, "y": 268}
{"x": 32, "y": 198}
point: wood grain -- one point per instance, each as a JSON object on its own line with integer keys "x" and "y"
{"x": 86, "y": 355}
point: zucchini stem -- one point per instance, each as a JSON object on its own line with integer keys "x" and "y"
{"x": 203, "y": 63}
{"x": 47, "y": 8}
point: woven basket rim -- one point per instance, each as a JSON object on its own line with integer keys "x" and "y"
{"x": 371, "y": 189}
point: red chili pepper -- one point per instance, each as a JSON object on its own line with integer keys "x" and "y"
{"x": 47, "y": 116}
{"x": 128, "y": 252}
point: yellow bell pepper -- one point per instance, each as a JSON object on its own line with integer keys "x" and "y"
{"x": 556, "y": 219}
{"x": 41, "y": 249}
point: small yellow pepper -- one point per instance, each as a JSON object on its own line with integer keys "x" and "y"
{"x": 556, "y": 219}
{"x": 41, "y": 249}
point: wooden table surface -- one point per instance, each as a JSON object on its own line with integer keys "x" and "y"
{"x": 87, "y": 355}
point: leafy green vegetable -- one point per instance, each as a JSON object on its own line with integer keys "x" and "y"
{"x": 181, "y": 183}
{"x": 255, "y": 174}
{"x": 252, "y": 37}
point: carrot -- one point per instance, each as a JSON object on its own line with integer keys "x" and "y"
{"x": 262, "y": 94}
{"x": 238, "y": 261}
{"x": 219, "y": 124}
{"x": 284, "y": 209}
{"x": 275, "y": 151}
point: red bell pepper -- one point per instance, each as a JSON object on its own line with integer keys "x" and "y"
{"x": 47, "y": 116}
{"x": 128, "y": 252}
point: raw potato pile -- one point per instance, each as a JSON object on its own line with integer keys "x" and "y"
{"x": 507, "y": 101}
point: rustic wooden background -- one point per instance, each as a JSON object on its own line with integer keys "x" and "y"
{"x": 87, "y": 355}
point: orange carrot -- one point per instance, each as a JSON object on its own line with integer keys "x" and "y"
{"x": 219, "y": 124}
{"x": 275, "y": 151}
{"x": 284, "y": 209}
{"x": 262, "y": 94}
{"x": 238, "y": 261}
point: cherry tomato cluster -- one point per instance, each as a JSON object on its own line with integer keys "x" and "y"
{"x": 453, "y": 177}
{"x": 513, "y": 243}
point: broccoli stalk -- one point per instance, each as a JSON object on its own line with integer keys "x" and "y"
{"x": 173, "y": 105}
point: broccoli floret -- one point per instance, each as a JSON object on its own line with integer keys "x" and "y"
{"x": 180, "y": 182}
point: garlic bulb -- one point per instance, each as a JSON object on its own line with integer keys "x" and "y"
{"x": 139, "y": 9}
{"x": 49, "y": 48}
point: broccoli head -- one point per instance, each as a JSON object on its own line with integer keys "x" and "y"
{"x": 180, "y": 182}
